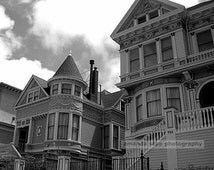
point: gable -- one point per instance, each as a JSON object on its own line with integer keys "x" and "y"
{"x": 33, "y": 91}
{"x": 144, "y": 10}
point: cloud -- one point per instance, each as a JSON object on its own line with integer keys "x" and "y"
{"x": 15, "y": 72}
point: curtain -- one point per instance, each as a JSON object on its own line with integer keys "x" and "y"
{"x": 173, "y": 98}
{"x": 153, "y": 99}
{"x": 63, "y": 126}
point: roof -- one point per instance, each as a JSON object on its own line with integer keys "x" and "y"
{"x": 10, "y": 87}
{"x": 7, "y": 117}
{"x": 200, "y": 5}
{"x": 68, "y": 69}
{"x": 109, "y": 100}
{"x": 43, "y": 83}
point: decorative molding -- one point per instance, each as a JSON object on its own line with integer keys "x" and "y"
{"x": 191, "y": 84}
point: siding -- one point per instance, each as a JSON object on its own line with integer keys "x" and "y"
{"x": 156, "y": 156}
{"x": 42, "y": 123}
{"x": 91, "y": 134}
{"x": 6, "y": 136}
{"x": 197, "y": 157}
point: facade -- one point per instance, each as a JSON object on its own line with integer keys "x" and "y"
{"x": 8, "y": 97}
{"x": 56, "y": 117}
{"x": 167, "y": 71}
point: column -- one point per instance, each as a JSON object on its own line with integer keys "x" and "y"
{"x": 194, "y": 43}
{"x": 212, "y": 32}
{"x": 158, "y": 51}
{"x": 127, "y": 61}
{"x": 56, "y": 125}
{"x": 140, "y": 56}
{"x": 80, "y": 129}
{"x": 70, "y": 126}
{"x": 30, "y": 131}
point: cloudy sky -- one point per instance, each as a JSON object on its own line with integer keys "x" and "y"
{"x": 37, "y": 35}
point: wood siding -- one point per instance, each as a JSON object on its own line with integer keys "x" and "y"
{"x": 37, "y": 123}
{"x": 197, "y": 157}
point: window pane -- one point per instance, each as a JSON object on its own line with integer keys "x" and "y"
{"x": 51, "y": 122}
{"x": 141, "y": 19}
{"x": 134, "y": 60}
{"x": 55, "y": 89}
{"x": 66, "y": 88}
{"x": 30, "y": 97}
{"x": 63, "y": 125}
{"x": 139, "y": 107}
{"x": 153, "y": 14}
{"x": 205, "y": 41}
{"x": 166, "y": 47}
{"x": 77, "y": 91}
{"x": 153, "y": 99}
{"x": 75, "y": 127}
{"x": 115, "y": 137}
{"x": 106, "y": 136}
{"x": 173, "y": 98}
{"x": 36, "y": 95}
{"x": 150, "y": 55}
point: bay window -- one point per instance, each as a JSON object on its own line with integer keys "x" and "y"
{"x": 134, "y": 60}
{"x": 153, "y": 99}
{"x": 63, "y": 126}
{"x": 51, "y": 122}
{"x": 66, "y": 88}
{"x": 139, "y": 107}
{"x": 173, "y": 98}
{"x": 166, "y": 49}
{"x": 75, "y": 127}
{"x": 150, "y": 55}
{"x": 205, "y": 40}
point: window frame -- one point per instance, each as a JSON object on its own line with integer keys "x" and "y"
{"x": 149, "y": 55}
{"x": 54, "y": 91}
{"x": 139, "y": 118}
{"x": 133, "y": 60}
{"x": 77, "y": 129}
{"x": 197, "y": 41}
{"x": 66, "y": 90}
{"x": 51, "y": 126}
{"x": 116, "y": 139}
{"x": 33, "y": 98}
{"x": 168, "y": 48}
{"x": 77, "y": 92}
{"x": 63, "y": 127}
{"x": 106, "y": 137}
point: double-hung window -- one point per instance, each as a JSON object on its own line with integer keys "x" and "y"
{"x": 153, "y": 99}
{"x": 75, "y": 127}
{"x": 77, "y": 91}
{"x": 134, "y": 60}
{"x": 106, "y": 136}
{"x": 115, "y": 137}
{"x": 139, "y": 107}
{"x": 150, "y": 55}
{"x": 66, "y": 88}
{"x": 166, "y": 49}
{"x": 205, "y": 40}
{"x": 173, "y": 98}
{"x": 51, "y": 122}
{"x": 33, "y": 96}
{"x": 63, "y": 126}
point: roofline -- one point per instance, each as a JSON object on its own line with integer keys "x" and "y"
{"x": 2, "y": 84}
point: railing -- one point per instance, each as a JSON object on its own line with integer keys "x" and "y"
{"x": 196, "y": 119}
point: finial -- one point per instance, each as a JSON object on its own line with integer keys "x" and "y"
{"x": 70, "y": 53}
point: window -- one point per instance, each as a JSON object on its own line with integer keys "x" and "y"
{"x": 150, "y": 55}
{"x": 122, "y": 105}
{"x": 166, "y": 47}
{"x": 30, "y": 97}
{"x": 139, "y": 107}
{"x": 134, "y": 60}
{"x": 173, "y": 98}
{"x": 106, "y": 136}
{"x": 141, "y": 19}
{"x": 77, "y": 91}
{"x": 33, "y": 96}
{"x": 153, "y": 14}
{"x": 75, "y": 127}
{"x": 55, "y": 88}
{"x": 51, "y": 122}
{"x": 66, "y": 88}
{"x": 205, "y": 40}
{"x": 115, "y": 137}
{"x": 153, "y": 99}
{"x": 63, "y": 126}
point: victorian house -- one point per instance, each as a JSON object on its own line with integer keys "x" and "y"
{"x": 167, "y": 71}
{"x": 58, "y": 118}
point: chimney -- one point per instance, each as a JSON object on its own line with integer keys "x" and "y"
{"x": 93, "y": 84}
{"x": 91, "y": 78}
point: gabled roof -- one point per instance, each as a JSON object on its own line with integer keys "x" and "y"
{"x": 34, "y": 81}
{"x": 111, "y": 99}
{"x": 142, "y": 6}
{"x": 68, "y": 69}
